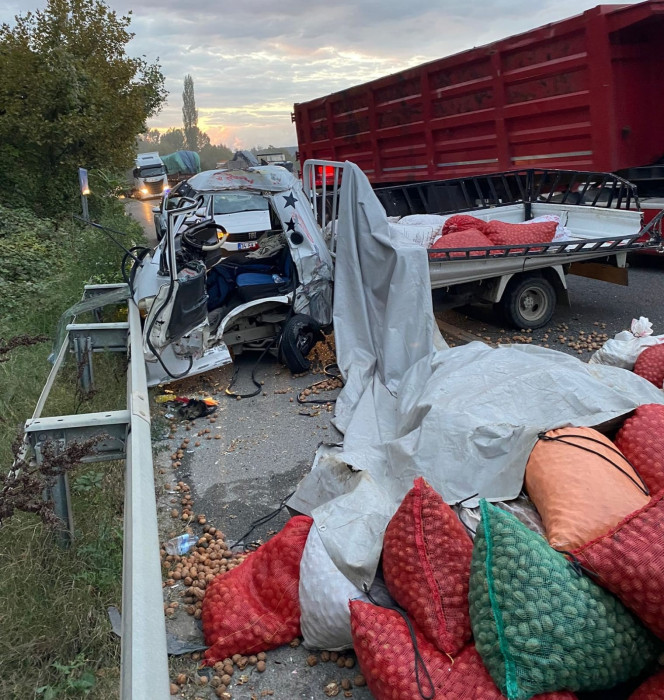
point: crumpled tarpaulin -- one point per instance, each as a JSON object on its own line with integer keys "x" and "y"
{"x": 464, "y": 418}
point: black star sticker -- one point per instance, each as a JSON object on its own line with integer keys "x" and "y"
{"x": 291, "y": 225}
{"x": 290, "y": 200}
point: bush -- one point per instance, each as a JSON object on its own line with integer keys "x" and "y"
{"x": 56, "y": 639}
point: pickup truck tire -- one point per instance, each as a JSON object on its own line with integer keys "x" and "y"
{"x": 529, "y": 301}
{"x": 300, "y": 333}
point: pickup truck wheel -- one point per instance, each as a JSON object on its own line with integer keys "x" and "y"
{"x": 529, "y": 302}
{"x": 299, "y": 335}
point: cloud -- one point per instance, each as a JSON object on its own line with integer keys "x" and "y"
{"x": 251, "y": 61}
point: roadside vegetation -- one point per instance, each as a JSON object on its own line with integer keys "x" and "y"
{"x": 56, "y": 640}
{"x": 71, "y": 97}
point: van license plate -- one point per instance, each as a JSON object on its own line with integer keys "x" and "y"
{"x": 247, "y": 246}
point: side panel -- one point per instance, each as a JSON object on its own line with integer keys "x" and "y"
{"x": 578, "y": 94}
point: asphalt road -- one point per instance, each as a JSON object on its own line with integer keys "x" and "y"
{"x": 259, "y": 448}
{"x": 592, "y": 302}
{"x": 141, "y": 210}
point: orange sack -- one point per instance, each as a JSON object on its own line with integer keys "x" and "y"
{"x": 582, "y": 486}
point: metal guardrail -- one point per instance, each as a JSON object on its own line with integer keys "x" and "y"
{"x": 123, "y": 435}
{"x": 144, "y": 669}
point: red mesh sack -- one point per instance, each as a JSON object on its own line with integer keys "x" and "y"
{"x": 629, "y": 562}
{"x": 460, "y": 222}
{"x": 650, "y": 365}
{"x": 386, "y": 656}
{"x": 468, "y": 238}
{"x": 426, "y": 566}
{"x": 641, "y": 440}
{"x": 652, "y": 689}
{"x": 502, "y": 233}
{"x": 255, "y": 607}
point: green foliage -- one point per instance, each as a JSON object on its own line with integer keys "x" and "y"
{"x": 148, "y": 142}
{"x": 70, "y": 97}
{"x": 171, "y": 141}
{"x": 74, "y": 677}
{"x": 86, "y": 483}
{"x": 29, "y": 257}
{"x": 56, "y": 638}
{"x": 211, "y": 155}
{"x": 45, "y": 263}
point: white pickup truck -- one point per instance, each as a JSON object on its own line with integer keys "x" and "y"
{"x": 600, "y": 214}
{"x": 203, "y": 307}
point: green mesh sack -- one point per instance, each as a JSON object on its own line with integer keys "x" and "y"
{"x": 540, "y": 625}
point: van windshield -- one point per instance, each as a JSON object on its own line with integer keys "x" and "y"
{"x": 234, "y": 202}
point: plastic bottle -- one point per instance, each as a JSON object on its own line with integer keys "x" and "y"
{"x": 181, "y": 545}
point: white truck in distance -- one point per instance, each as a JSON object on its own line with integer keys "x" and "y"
{"x": 149, "y": 176}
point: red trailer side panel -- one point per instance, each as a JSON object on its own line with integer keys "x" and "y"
{"x": 584, "y": 93}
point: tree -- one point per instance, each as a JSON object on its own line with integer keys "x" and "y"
{"x": 70, "y": 97}
{"x": 190, "y": 115}
{"x": 171, "y": 141}
{"x": 149, "y": 141}
{"x": 211, "y": 155}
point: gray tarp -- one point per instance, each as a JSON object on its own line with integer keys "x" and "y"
{"x": 464, "y": 418}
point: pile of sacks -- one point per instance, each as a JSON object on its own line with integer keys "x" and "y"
{"x": 464, "y": 231}
{"x": 558, "y": 592}
{"x": 636, "y": 349}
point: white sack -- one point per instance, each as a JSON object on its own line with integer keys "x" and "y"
{"x": 623, "y": 349}
{"x": 324, "y": 595}
{"x": 410, "y": 234}
{"x": 425, "y": 219}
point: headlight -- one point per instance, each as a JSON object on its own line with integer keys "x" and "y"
{"x": 144, "y": 190}
{"x": 166, "y": 189}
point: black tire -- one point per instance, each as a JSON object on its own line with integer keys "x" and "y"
{"x": 529, "y": 301}
{"x": 298, "y": 336}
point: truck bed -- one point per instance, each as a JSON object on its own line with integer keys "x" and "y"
{"x": 601, "y": 211}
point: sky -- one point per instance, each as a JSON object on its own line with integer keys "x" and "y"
{"x": 251, "y": 60}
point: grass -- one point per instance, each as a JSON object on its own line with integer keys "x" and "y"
{"x": 56, "y": 639}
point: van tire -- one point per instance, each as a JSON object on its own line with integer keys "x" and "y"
{"x": 298, "y": 336}
{"x": 529, "y": 301}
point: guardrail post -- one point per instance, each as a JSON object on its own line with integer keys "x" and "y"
{"x": 83, "y": 352}
{"x": 59, "y": 494}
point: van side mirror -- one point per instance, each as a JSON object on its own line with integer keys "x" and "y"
{"x": 156, "y": 210}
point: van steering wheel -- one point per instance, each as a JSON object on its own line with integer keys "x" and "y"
{"x": 189, "y": 240}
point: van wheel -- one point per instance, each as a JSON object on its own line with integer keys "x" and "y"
{"x": 300, "y": 333}
{"x": 529, "y": 302}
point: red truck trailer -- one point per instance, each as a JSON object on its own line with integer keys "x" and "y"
{"x": 585, "y": 93}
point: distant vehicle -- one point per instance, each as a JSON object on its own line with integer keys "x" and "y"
{"x": 244, "y": 214}
{"x": 149, "y": 175}
{"x": 181, "y": 165}
{"x": 275, "y": 159}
